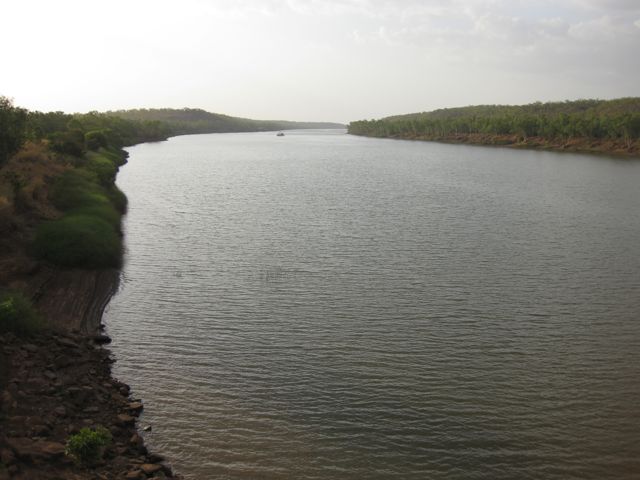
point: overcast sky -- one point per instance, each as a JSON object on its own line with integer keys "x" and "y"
{"x": 334, "y": 60}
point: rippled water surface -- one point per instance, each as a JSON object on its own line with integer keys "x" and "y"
{"x": 323, "y": 306}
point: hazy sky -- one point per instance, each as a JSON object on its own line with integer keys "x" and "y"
{"x": 335, "y": 60}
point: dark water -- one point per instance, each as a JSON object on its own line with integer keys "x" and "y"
{"x": 322, "y": 306}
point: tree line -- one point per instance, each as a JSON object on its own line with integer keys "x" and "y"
{"x": 71, "y": 134}
{"x": 597, "y": 119}
{"x": 75, "y": 133}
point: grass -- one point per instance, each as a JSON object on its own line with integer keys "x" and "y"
{"x": 17, "y": 315}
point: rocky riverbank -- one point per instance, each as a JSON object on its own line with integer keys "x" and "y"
{"x": 57, "y": 381}
{"x": 54, "y": 384}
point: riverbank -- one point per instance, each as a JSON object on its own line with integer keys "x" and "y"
{"x": 57, "y": 380}
{"x": 619, "y": 147}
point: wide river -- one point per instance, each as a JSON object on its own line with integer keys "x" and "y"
{"x": 325, "y": 306}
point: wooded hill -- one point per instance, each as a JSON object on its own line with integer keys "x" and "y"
{"x": 194, "y": 120}
{"x": 593, "y": 125}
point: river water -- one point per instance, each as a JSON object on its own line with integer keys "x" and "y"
{"x": 324, "y": 306}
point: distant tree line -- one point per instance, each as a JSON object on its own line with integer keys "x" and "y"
{"x": 194, "y": 120}
{"x": 598, "y": 119}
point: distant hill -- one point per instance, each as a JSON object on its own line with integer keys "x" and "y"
{"x": 194, "y": 120}
{"x": 608, "y": 126}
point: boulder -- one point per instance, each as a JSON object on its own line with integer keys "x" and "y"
{"x": 135, "y": 407}
{"x": 36, "y": 449}
{"x": 134, "y": 475}
{"x": 150, "y": 468}
{"x": 125, "y": 419}
{"x": 101, "y": 339}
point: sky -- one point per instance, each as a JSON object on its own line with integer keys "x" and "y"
{"x": 320, "y": 60}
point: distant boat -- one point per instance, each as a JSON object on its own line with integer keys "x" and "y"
{"x": 280, "y": 134}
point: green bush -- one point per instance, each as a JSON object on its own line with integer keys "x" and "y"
{"x": 70, "y": 142}
{"x": 18, "y": 315}
{"x": 79, "y": 240}
{"x": 95, "y": 139}
{"x": 117, "y": 156}
{"x": 86, "y": 446}
{"x": 108, "y": 213}
{"x": 118, "y": 199}
{"x": 77, "y": 188}
{"x": 104, "y": 169}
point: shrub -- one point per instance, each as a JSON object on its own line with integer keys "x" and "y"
{"x": 118, "y": 199}
{"x": 79, "y": 240}
{"x": 70, "y": 142}
{"x": 86, "y": 446}
{"x": 95, "y": 139}
{"x": 77, "y": 188}
{"x": 108, "y": 213}
{"x": 18, "y": 315}
{"x": 117, "y": 156}
{"x": 104, "y": 169}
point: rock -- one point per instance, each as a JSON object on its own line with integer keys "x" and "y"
{"x": 150, "y": 468}
{"x": 7, "y": 457}
{"x": 155, "y": 458}
{"x": 30, "y": 347}
{"x": 147, "y": 428}
{"x": 51, "y": 449}
{"x": 135, "y": 407}
{"x": 101, "y": 339}
{"x": 36, "y": 450}
{"x": 60, "y": 411}
{"x": 41, "y": 430}
{"x": 134, "y": 475}
{"x": 50, "y": 375}
{"x": 125, "y": 419}
{"x": 67, "y": 343}
{"x": 136, "y": 440}
{"x": 92, "y": 409}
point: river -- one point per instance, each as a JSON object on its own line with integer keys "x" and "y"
{"x": 325, "y": 306}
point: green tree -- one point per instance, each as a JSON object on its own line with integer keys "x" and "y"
{"x": 12, "y": 128}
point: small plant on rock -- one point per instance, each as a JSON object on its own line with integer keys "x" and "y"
{"x": 18, "y": 315}
{"x": 87, "y": 446}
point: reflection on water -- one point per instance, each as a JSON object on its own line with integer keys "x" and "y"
{"x": 327, "y": 306}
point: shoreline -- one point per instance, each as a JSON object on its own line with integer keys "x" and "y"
{"x": 59, "y": 380}
{"x": 586, "y": 146}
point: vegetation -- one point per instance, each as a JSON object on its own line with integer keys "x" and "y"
{"x": 12, "y": 128}
{"x": 86, "y": 446}
{"x": 600, "y": 120}
{"x": 192, "y": 120}
{"x": 88, "y": 234}
{"x": 17, "y": 314}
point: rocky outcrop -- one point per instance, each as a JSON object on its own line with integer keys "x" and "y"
{"x": 53, "y": 385}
